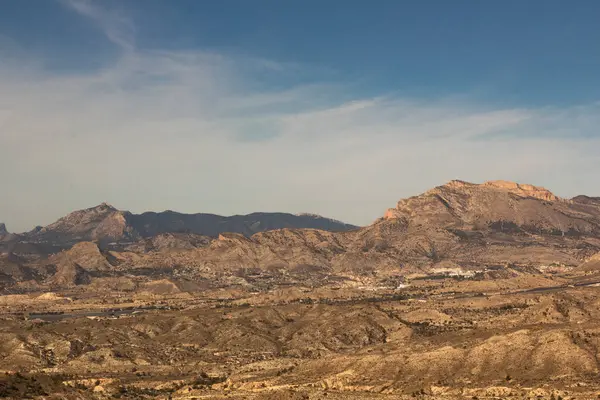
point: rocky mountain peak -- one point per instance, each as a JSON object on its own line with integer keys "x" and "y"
{"x": 84, "y": 216}
{"x": 100, "y": 222}
{"x": 466, "y": 206}
{"x": 3, "y": 230}
{"x": 104, "y": 206}
{"x": 519, "y": 189}
{"x": 523, "y": 190}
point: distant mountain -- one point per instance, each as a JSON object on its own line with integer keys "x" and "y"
{"x": 105, "y": 223}
{"x": 150, "y": 223}
{"x": 3, "y": 230}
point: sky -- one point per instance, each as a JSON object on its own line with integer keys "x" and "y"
{"x": 338, "y": 107}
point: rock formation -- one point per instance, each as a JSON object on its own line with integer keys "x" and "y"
{"x": 523, "y": 190}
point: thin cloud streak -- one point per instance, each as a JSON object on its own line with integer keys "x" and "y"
{"x": 183, "y": 131}
{"x": 118, "y": 28}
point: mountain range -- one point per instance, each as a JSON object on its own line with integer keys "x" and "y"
{"x": 465, "y": 291}
{"x": 492, "y": 228}
{"x": 106, "y": 224}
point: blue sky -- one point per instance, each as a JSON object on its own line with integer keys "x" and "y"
{"x": 335, "y": 107}
{"x": 532, "y": 52}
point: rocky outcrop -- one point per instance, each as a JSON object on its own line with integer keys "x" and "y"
{"x": 85, "y": 254}
{"x": 103, "y": 222}
{"x": 74, "y": 266}
{"x": 3, "y": 230}
{"x": 519, "y": 189}
{"x": 523, "y": 190}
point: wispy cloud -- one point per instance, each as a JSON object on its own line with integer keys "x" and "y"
{"x": 193, "y": 131}
{"x": 118, "y": 28}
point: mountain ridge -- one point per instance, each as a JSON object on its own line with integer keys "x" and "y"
{"x": 458, "y": 226}
{"x": 105, "y": 223}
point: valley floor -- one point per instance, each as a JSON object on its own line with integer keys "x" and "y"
{"x": 435, "y": 338}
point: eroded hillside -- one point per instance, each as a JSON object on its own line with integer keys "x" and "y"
{"x": 466, "y": 291}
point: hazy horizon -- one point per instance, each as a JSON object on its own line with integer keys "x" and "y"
{"x": 239, "y": 214}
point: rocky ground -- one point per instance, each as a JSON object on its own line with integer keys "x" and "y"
{"x": 434, "y": 338}
{"x": 464, "y": 292}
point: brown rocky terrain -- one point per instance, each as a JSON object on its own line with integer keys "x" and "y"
{"x": 465, "y": 291}
{"x": 459, "y": 228}
{"x": 591, "y": 264}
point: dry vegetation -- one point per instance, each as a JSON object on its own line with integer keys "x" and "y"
{"x": 309, "y": 344}
{"x": 465, "y": 292}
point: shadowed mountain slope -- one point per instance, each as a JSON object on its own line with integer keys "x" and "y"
{"x": 151, "y": 223}
{"x": 105, "y": 223}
